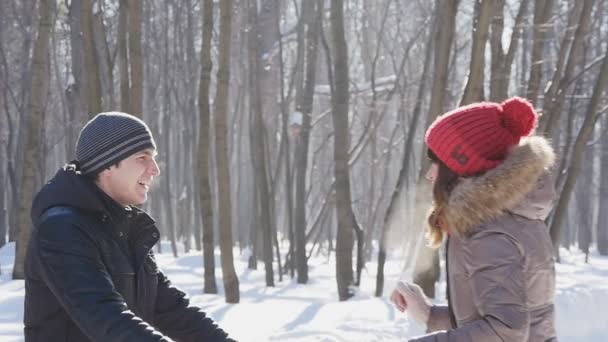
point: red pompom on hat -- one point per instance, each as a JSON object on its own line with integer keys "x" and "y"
{"x": 475, "y": 138}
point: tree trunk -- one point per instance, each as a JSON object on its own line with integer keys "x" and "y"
{"x": 312, "y": 19}
{"x": 339, "y": 102}
{"x": 446, "y": 14}
{"x": 584, "y": 206}
{"x": 17, "y": 148}
{"x": 166, "y": 133}
{"x": 231, "y": 281}
{"x": 123, "y": 55}
{"x": 542, "y": 12}
{"x": 258, "y": 151}
{"x": 203, "y": 148}
{"x": 427, "y": 272}
{"x": 35, "y": 119}
{"x": 3, "y": 166}
{"x": 136, "y": 65}
{"x": 602, "y": 220}
{"x": 473, "y": 92}
{"x": 556, "y": 94}
{"x": 399, "y": 197}
{"x": 593, "y": 113}
{"x": 76, "y": 92}
{"x": 104, "y": 59}
{"x": 90, "y": 58}
{"x": 501, "y": 63}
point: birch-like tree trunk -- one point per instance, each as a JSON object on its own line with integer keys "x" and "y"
{"x": 3, "y": 166}
{"x": 542, "y": 13}
{"x": 426, "y": 272}
{"x": 258, "y": 150}
{"x": 602, "y": 219}
{"x": 501, "y": 63}
{"x": 312, "y": 19}
{"x": 398, "y": 199}
{"x": 76, "y": 93}
{"x": 572, "y": 46}
{"x": 473, "y": 91}
{"x": 231, "y": 281}
{"x": 35, "y": 118}
{"x": 340, "y": 106}
{"x": 90, "y": 59}
{"x": 136, "y": 65}
{"x": 123, "y": 55}
{"x": 204, "y": 148}
{"x": 593, "y": 113}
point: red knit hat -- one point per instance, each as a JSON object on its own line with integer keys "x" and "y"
{"x": 475, "y": 138}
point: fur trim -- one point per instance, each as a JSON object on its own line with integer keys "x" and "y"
{"x": 476, "y": 200}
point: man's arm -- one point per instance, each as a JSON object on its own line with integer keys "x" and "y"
{"x": 71, "y": 267}
{"x": 176, "y": 318}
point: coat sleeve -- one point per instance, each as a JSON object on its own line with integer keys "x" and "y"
{"x": 439, "y": 319}
{"x": 71, "y": 267}
{"x": 175, "y": 317}
{"x": 495, "y": 267}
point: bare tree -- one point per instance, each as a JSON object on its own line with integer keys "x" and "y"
{"x": 543, "y": 10}
{"x": 90, "y": 58}
{"x": 231, "y": 281}
{"x": 76, "y": 92}
{"x": 602, "y": 219}
{"x": 571, "y": 46}
{"x": 584, "y": 205}
{"x": 136, "y": 65}
{"x": 593, "y": 113}
{"x": 35, "y": 118}
{"x": 3, "y": 164}
{"x": 123, "y": 55}
{"x": 258, "y": 150}
{"x": 340, "y": 103}
{"x": 203, "y": 148}
{"x": 501, "y": 63}
{"x": 473, "y": 91}
{"x": 167, "y": 115}
{"x": 399, "y": 196}
{"x": 311, "y": 21}
{"x": 426, "y": 272}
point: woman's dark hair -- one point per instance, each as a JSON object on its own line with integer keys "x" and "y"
{"x": 442, "y": 188}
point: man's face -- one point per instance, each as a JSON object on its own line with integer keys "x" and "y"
{"x": 129, "y": 182}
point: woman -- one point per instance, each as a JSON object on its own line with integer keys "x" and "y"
{"x": 492, "y": 192}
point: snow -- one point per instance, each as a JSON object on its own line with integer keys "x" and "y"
{"x": 311, "y": 312}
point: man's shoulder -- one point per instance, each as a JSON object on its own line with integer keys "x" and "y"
{"x": 61, "y": 213}
{"x": 60, "y": 220}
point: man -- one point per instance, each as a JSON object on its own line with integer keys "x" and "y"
{"x": 90, "y": 271}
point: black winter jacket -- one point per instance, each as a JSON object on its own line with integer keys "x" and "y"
{"x": 91, "y": 274}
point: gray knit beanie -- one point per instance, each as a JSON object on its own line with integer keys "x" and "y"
{"x": 109, "y": 138}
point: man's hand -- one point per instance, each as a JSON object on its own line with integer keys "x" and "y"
{"x": 410, "y": 297}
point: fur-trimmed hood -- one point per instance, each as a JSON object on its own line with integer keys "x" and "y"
{"x": 521, "y": 184}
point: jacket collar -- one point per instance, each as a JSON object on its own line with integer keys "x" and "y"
{"x": 480, "y": 199}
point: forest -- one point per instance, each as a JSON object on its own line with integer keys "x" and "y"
{"x": 287, "y": 129}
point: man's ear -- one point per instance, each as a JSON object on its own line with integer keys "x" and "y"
{"x": 105, "y": 172}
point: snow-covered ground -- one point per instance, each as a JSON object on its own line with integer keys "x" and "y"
{"x": 292, "y": 312}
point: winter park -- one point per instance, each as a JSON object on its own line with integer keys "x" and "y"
{"x": 306, "y": 170}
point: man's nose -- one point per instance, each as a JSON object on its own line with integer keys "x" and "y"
{"x": 154, "y": 169}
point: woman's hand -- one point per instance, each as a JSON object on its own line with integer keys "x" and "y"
{"x": 398, "y": 300}
{"x": 410, "y": 297}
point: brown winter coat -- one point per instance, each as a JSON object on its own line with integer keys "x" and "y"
{"x": 501, "y": 273}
